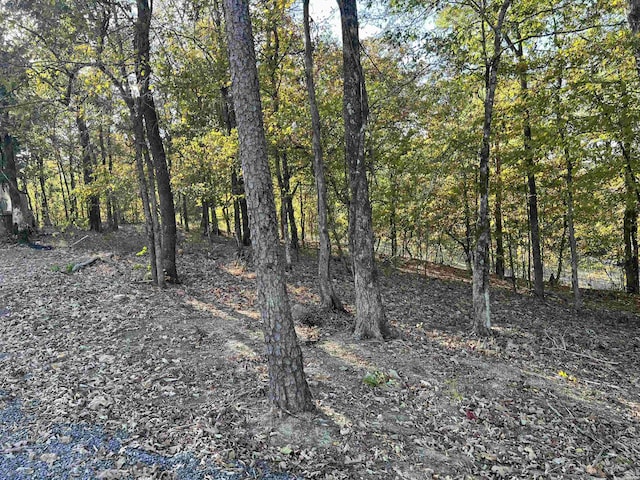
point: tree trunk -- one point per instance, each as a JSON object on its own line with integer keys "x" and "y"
{"x": 499, "y": 261}
{"x": 204, "y": 223}
{"x": 149, "y": 112}
{"x": 115, "y": 211}
{"x": 288, "y": 389}
{"x": 328, "y": 296}
{"x": 73, "y": 200}
{"x": 466, "y": 245}
{"x": 631, "y": 206}
{"x": 630, "y": 225}
{"x": 46, "y": 217}
{"x": 481, "y": 310}
{"x": 538, "y": 272}
{"x": 370, "y": 316}
{"x": 21, "y": 217}
{"x": 103, "y": 155}
{"x": 634, "y": 23}
{"x": 213, "y": 224}
{"x": 237, "y": 217}
{"x": 563, "y": 241}
{"x": 185, "y": 213}
{"x": 577, "y": 298}
{"x": 88, "y": 163}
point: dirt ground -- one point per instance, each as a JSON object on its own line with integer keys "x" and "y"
{"x": 555, "y": 394}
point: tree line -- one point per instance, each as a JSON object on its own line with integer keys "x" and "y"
{"x": 499, "y": 133}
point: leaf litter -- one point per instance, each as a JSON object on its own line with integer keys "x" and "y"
{"x": 104, "y": 376}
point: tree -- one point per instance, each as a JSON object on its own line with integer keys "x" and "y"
{"x": 370, "y": 316}
{"x": 529, "y": 153}
{"x": 151, "y": 122}
{"x": 288, "y": 389}
{"x": 328, "y": 297}
{"x": 481, "y": 308}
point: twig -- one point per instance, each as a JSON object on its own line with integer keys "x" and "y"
{"x": 599, "y": 360}
{"x": 75, "y": 243}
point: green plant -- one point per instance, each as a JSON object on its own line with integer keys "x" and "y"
{"x": 376, "y": 378}
{"x": 142, "y": 252}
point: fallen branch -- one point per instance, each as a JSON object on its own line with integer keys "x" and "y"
{"x": 75, "y": 243}
{"x": 584, "y": 355}
{"x": 86, "y": 263}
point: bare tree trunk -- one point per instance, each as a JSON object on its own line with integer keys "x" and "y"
{"x": 499, "y": 261}
{"x": 538, "y": 272}
{"x": 22, "y": 217}
{"x": 204, "y": 223}
{"x": 563, "y": 240}
{"x": 288, "y": 389}
{"x": 149, "y": 112}
{"x": 632, "y": 193}
{"x": 103, "y": 155}
{"x": 577, "y": 298}
{"x": 88, "y": 162}
{"x": 370, "y": 316}
{"x": 185, "y": 213}
{"x": 481, "y": 309}
{"x": 46, "y": 217}
{"x": 328, "y": 296}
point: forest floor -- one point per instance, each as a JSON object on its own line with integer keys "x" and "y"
{"x": 104, "y": 376}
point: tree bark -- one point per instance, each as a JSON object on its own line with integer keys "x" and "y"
{"x": 46, "y": 217}
{"x": 630, "y": 227}
{"x": 149, "y": 112}
{"x": 499, "y": 261}
{"x": 288, "y": 389}
{"x": 21, "y": 216}
{"x": 328, "y": 296}
{"x": 534, "y": 224}
{"x": 370, "y": 316}
{"x": 481, "y": 309}
{"x": 88, "y": 163}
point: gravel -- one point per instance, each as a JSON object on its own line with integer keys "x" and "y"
{"x": 83, "y": 451}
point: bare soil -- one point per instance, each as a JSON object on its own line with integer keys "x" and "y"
{"x": 554, "y": 394}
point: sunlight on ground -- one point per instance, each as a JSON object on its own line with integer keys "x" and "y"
{"x": 336, "y": 350}
{"x": 238, "y": 271}
{"x": 303, "y": 294}
{"x": 253, "y": 314}
{"x": 241, "y": 350}
{"x": 339, "y": 418}
{"x": 634, "y": 407}
{"x": 207, "y": 307}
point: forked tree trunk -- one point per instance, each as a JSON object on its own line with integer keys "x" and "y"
{"x": 370, "y": 316}
{"x": 288, "y": 389}
{"x": 328, "y": 296}
{"x": 149, "y": 112}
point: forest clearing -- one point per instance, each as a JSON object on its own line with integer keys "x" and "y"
{"x": 106, "y": 376}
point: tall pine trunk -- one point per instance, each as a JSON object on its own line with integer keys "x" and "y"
{"x": 288, "y": 389}
{"x": 328, "y": 296}
{"x": 370, "y": 316}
